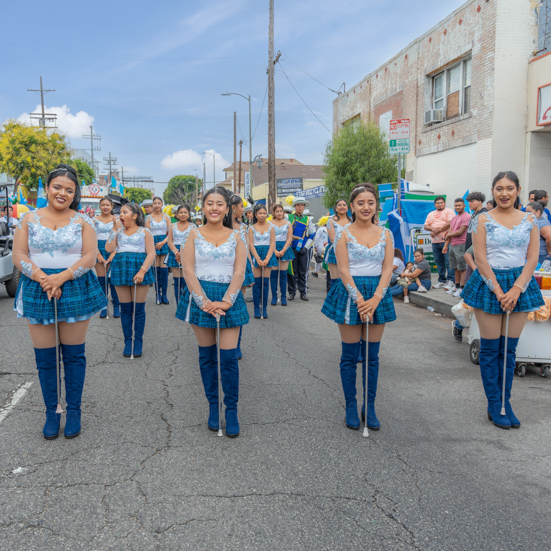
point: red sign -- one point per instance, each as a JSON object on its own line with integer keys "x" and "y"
{"x": 544, "y": 105}
{"x": 93, "y": 189}
{"x": 399, "y": 129}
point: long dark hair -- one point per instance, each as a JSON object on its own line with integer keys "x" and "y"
{"x": 257, "y": 207}
{"x": 136, "y": 209}
{"x": 110, "y": 201}
{"x": 510, "y": 175}
{"x": 398, "y": 254}
{"x": 370, "y": 188}
{"x": 67, "y": 170}
{"x": 224, "y": 193}
{"x": 336, "y": 217}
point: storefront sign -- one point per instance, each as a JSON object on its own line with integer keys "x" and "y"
{"x": 544, "y": 105}
{"x": 318, "y": 191}
{"x": 289, "y": 186}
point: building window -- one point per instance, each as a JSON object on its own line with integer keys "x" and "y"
{"x": 451, "y": 89}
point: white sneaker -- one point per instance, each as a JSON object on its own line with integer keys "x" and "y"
{"x": 421, "y": 289}
{"x": 406, "y": 300}
{"x": 451, "y": 290}
{"x": 458, "y": 293}
{"x": 449, "y": 285}
{"x": 438, "y": 285}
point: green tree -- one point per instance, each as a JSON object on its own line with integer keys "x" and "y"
{"x": 181, "y": 189}
{"x": 27, "y": 152}
{"x": 85, "y": 173}
{"x": 358, "y": 153}
{"x": 137, "y": 194}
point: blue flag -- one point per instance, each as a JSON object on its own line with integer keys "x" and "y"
{"x": 22, "y": 200}
{"x": 41, "y": 200}
{"x": 113, "y": 183}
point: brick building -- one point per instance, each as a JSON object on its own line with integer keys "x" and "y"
{"x": 470, "y": 87}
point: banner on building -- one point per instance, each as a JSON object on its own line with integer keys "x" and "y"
{"x": 289, "y": 186}
{"x": 544, "y": 105}
{"x": 318, "y": 191}
{"x": 247, "y": 184}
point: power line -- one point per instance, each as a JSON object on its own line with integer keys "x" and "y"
{"x": 261, "y": 110}
{"x": 290, "y": 61}
{"x": 319, "y": 120}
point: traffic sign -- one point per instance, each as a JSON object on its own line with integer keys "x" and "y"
{"x": 399, "y": 129}
{"x": 197, "y": 208}
{"x": 399, "y": 147}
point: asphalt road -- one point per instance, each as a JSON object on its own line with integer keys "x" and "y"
{"x": 145, "y": 473}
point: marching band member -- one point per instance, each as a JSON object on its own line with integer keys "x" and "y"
{"x": 283, "y": 253}
{"x": 334, "y": 225}
{"x": 131, "y": 273}
{"x": 364, "y": 254}
{"x": 55, "y": 248}
{"x": 214, "y": 260}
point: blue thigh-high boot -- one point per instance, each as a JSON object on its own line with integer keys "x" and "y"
{"x": 158, "y": 284}
{"x": 229, "y": 371}
{"x": 511, "y": 363}
{"x": 266, "y": 283}
{"x": 273, "y": 285}
{"x": 239, "y": 353}
{"x": 283, "y": 286}
{"x": 126, "y": 322}
{"x": 372, "y": 379}
{"x": 115, "y": 300}
{"x": 47, "y": 374}
{"x": 176, "y": 289}
{"x": 139, "y": 326}
{"x": 102, "y": 283}
{"x": 164, "y": 285}
{"x": 257, "y": 292}
{"x": 489, "y": 371}
{"x": 74, "y": 365}
{"x": 208, "y": 365}
{"x": 349, "y": 357}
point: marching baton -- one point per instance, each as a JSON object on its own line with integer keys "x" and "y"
{"x": 366, "y": 432}
{"x": 133, "y": 321}
{"x": 262, "y": 289}
{"x": 505, "y": 363}
{"x": 59, "y": 409}
{"x": 105, "y": 264}
{"x": 220, "y": 433}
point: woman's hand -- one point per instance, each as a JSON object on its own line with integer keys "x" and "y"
{"x": 217, "y": 308}
{"x": 177, "y": 256}
{"x": 111, "y": 256}
{"x": 100, "y": 258}
{"x": 368, "y": 307}
{"x": 278, "y": 254}
{"x": 509, "y": 299}
{"x": 138, "y": 278}
{"x": 159, "y": 245}
{"x": 53, "y": 282}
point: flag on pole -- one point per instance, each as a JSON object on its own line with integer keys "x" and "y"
{"x": 113, "y": 183}
{"x": 41, "y": 200}
{"x": 467, "y": 209}
{"x": 21, "y": 200}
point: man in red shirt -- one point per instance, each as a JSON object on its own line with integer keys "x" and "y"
{"x": 438, "y": 223}
{"x": 455, "y": 242}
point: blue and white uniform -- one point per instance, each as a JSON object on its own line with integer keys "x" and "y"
{"x": 249, "y": 274}
{"x": 159, "y": 231}
{"x": 131, "y": 256}
{"x": 281, "y": 234}
{"x": 103, "y": 230}
{"x": 261, "y": 242}
{"x": 330, "y": 257}
{"x": 178, "y": 237}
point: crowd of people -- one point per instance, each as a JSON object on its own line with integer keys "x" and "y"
{"x": 214, "y": 263}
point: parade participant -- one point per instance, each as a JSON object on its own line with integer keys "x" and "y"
{"x": 214, "y": 260}
{"x": 545, "y": 230}
{"x": 283, "y": 253}
{"x": 131, "y": 273}
{"x": 506, "y": 245}
{"x": 147, "y": 206}
{"x": 262, "y": 247}
{"x": 334, "y": 225}
{"x": 364, "y": 254}
{"x": 158, "y": 223}
{"x": 55, "y": 248}
{"x": 104, "y": 224}
{"x": 302, "y": 229}
{"x": 177, "y": 234}
{"x": 248, "y": 212}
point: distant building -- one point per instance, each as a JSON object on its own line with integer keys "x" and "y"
{"x": 476, "y": 88}
{"x": 85, "y": 157}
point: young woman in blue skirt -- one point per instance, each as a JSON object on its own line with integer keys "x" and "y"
{"x": 177, "y": 234}
{"x": 55, "y": 248}
{"x": 506, "y": 246}
{"x": 283, "y": 253}
{"x": 335, "y": 224}
{"x": 104, "y": 224}
{"x": 215, "y": 260}
{"x": 131, "y": 273}
{"x": 262, "y": 247}
{"x": 364, "y": 254}
{"x": 158, "y": 223}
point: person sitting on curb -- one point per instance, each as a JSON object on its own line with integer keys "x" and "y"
{"x": 422, "y": 271}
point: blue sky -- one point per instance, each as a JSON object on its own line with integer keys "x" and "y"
{"x": 150, "y": 74}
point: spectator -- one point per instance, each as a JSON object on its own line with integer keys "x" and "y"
{"x": 422, "y": 271}
{"x": 398, "y": 266}
{"x": 541, "y": 196}
{"x": 455, "y": 244}
{"x": 476, "y": 204}
{"x": 489, "y": 205}
{"x": 531, "y": 199}
{"x": 545, "y": 230}
{"x": 408, "y": 278}
{"x": 438, "y": 223}
{"x": 11, "y": 221}
{"x": 457, "y": 328}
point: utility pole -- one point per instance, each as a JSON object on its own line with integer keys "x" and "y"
{"x": 42, "y": 117}
{"x": 239, "y": 179}
{"x": 112, "y": 161}
{"x": 234, "y": 187}
{"x": 271, "y": 111}
{"x": 93, "y": 137}
{"x": 204, "y": 180}
{"x": 196, "y": 190}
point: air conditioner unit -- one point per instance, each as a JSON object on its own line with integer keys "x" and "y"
{"x": 434, "y": 115}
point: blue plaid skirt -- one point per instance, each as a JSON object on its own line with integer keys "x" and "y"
{"x": 289, "y": 254}
{"x": 236, "y": 316}
{"x": 477, "y": 295}
{"x": 101, "y": 248}
{"x": 80, "y": 299}
{"x": 164, "y": 249}
{"x": 171, "y": 260}
{"x": 339, "y": 307}
{"x": 125, "y": 266}
{"x": 262, "y": 251}
{"x": 330, "y": 257}
{"x": 249, "y": 275}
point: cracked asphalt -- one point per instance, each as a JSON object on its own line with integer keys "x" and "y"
{"x": 145, "y": 473}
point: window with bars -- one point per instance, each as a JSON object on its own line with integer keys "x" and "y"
{"x": 451, "y": 89}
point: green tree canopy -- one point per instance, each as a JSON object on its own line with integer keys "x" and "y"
{"x": 137, "y": 194}
{"x": 28, "y": 152}
{"x": 85, "y": 173}
{"x": 357, "y": 154}
{"x": 181, "y": 189}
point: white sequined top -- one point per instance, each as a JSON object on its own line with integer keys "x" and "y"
{"x": 158, "y": 228}
{"x": 103, "y": 229}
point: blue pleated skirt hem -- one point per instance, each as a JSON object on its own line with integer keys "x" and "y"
{"x": 125, "y": 266}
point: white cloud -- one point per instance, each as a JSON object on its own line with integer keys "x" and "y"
{"x": 73, "y": 126}
{"x": 186, "y": 158}
{"x": 192, "y": 160}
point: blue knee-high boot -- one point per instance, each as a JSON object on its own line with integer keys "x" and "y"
{"x": 116, "y": 303}
{"x": 266, "y": 283}
{"x": 239, "y": 353}
{"x": 102, "y": 283}
{"x": 47, "y": 375}
{"x": 349, "y": 358}
{"x": 257, "y": 292}
{"x": 511, "y": 363}
{"x": 230, "y": 386}
{"x": 176, "y": 289}
{"x": 74, "y": 366}
{"x": 489, "y": 371}
{"x": 164, "y": 285}
{"x": 283, "y": 286}
{"x": 139, "y": 326}
{"x": 208, "y": 365}
{"x": 372, "y": 379}
{"x": 273, "y": 285}
{"x": 126, "y": 322}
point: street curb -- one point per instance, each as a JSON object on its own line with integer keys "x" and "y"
{"x": 425, "y": 299}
